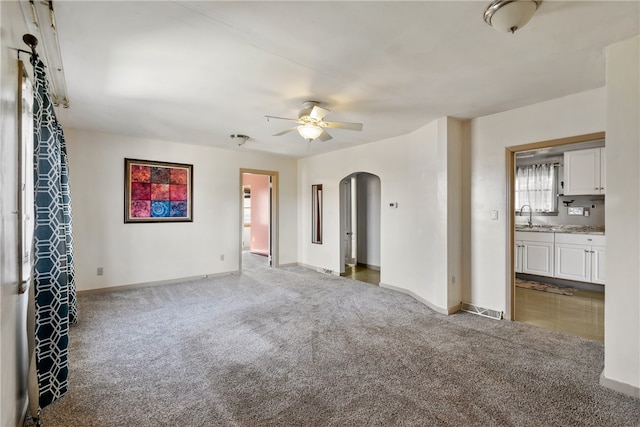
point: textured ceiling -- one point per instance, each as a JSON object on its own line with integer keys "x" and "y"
{"x": 196, "y": 72}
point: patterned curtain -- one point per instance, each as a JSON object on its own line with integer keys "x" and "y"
{"x": 53, "y": 281}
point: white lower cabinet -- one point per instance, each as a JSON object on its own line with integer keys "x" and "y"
{"x": 536, "y": 252}
{"x": 598, "y": 269}
{"x": 518, "y": 249}
{"x": 580, "y": 257}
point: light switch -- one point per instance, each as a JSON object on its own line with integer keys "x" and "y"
{"x": 494, "y": 215}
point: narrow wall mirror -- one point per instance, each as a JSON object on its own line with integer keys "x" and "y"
{"x": 26, "y": 225}
{"x": 316, "y": 213}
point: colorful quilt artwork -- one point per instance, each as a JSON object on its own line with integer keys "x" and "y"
{"x": 158, "y": 191}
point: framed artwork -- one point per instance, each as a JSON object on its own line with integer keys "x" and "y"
{"x": 157, "y": 191}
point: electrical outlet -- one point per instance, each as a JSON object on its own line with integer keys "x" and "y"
{"x": 100, "y": 271}
{"x": 222, "y": 257}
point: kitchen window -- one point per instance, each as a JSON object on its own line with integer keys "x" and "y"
{"x": 536, "y": 186}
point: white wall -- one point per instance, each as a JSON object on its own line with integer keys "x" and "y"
{"x": 414, "y": 237}
{"x": 368, "y": 227}
{"x": 151, "y": 252}
{"x": 452, "y": 143}
{"x": 13, "y": 357}
{"x": 486, "y": 267}
{"x": 622, "y": 223}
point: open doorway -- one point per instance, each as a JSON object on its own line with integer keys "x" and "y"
{"x": 360, "y": 206}
{"x": 258, "y": 217}
{"x": 556, "y": 234}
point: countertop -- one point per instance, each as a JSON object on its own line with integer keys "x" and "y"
{"x": 569, "y": 229}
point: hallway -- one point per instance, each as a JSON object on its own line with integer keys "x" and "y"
{"x": 362, "y": 274}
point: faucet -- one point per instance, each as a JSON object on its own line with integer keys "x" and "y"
{"x": 530, "y": 222}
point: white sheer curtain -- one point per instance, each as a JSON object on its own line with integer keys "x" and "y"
{"x": 535, "y": 185}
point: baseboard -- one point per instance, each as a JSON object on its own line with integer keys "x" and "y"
{"x": 420, "y": 299}
{"x": 454, "y": 309}
{"x": 289, "y": 264}
{"x": 319, "y": 269}
{"x": 150, "y": 284}
{"x": 620, "y": 387}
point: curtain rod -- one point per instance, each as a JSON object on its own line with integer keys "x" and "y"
{"x": 31, "y": 41}
{"x": 534, "y": 162}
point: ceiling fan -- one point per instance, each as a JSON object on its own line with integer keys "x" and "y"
{"x": 311, "y": 123}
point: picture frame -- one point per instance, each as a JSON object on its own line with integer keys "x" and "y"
{"x": 157, "y": 191}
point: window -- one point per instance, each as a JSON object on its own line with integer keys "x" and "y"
{"x": 536, "y": 187}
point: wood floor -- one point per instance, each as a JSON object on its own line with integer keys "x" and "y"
{"x": 362, "y": 274}
{"x": 580, "y": 315}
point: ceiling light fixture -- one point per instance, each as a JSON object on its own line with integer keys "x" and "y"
{"x": 510, "y": 15}
{"x": 310, "y": 131}
{"x": 241, "y": 138}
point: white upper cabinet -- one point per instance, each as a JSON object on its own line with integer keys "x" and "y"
{"x": 584, "y": 172}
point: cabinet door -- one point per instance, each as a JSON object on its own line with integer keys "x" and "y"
{"x": 582, "y": 172}
{"x": 573, "y": 262}
{"x": 517, "y": 255}
{"x": 598, "y": 266}
{"x": 603, "y": 170}
{"x": 537, "y": 258}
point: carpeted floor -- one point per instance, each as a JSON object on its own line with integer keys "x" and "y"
{"x": 292, "y": 347}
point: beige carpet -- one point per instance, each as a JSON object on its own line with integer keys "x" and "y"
{"x": 292, "y": 347}
{"x": 546, "y": 287}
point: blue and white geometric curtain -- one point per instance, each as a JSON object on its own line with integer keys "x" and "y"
{"x": 53, "y": 276}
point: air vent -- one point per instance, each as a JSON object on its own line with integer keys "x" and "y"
{"x": 480, "y": 311}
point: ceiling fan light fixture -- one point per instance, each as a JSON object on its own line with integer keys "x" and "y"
{"x": 310, "y": 131}
{"x": 510, "y": 15}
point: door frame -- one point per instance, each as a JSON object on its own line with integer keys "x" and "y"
{"x": 510, "y": 155}
{"x": 273, "y": 215}
{"x": 354, "y": 213}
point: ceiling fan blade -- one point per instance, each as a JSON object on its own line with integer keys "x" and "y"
{"x": 283, "y": 118}
{"x": 324, "y": 136}
{"x": 317, "y": 113}
{"x": 342, "y": 125}
{"x": 285, "y": 131}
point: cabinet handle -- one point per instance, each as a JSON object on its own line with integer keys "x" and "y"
{"x": 586, "y": 251}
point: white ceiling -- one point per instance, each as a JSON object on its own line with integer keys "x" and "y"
{"x": 196, "y": 72}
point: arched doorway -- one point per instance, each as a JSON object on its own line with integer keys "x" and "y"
{"x": 360, "y": 208}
